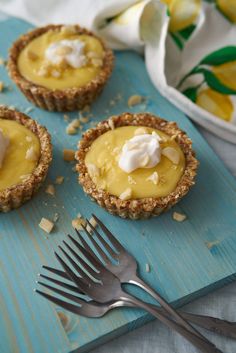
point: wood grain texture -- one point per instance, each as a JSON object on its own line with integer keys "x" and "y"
{"x": 187, "y": 259}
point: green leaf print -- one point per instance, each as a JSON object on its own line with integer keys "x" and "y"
{"x": 214, "y": 83}
{"x": 220, "y": 56}
{"x": 191, "y": 93}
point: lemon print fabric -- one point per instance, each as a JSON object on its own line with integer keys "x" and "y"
{"x": 215, "y": 103}
{"x": 228, "y": 8}
{"x": 215, "y": 93}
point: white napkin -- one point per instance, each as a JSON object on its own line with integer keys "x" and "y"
{"x": 174, "y": 41}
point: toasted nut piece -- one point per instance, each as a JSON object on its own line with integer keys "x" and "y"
{"x": 93, "y": 170}
{"x": 140, "y": 131}
{"x": 71, "y": 128}
{"x": 126, "y": 195}
{"x": 134, "y": 100}
{"x": 131, "y": 180}
{"x": 59, "y": 180}
{"x": 147, "y": 267}
{"x": 46, "y": 225}
{"x": 1, "y": 86}
{"x": 68, "y": 155}
{"x": 77, "y": 223}
{"x": 154, "y": 178}
{"x": 179, "y": 217}
{"x": 50, "y": 189}
{"x": 31, "y": 155}
{"x": 172, "y": 154}
{"x": 32, "y": 56}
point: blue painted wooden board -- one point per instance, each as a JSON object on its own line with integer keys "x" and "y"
{"x": 182, "y": 264}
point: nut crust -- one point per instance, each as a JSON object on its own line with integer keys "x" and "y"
{"x": 68, "y": 99}
{"x": 145, "y": 207}
{"x": 16, "y": 195}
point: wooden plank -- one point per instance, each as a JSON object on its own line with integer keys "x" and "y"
{"x": 187, "y": 259}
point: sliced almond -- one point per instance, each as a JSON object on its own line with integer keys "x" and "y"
{"x": 126, "y": 195}
{"x": 179, "y": 217}
{"x": 1, "y": 86}
{"x": 154, "y": 178}
{"x": 172, "y": 154}
{"x": 135, "y": 100}
{"x": 131, "y": 180}
{"x": 50, "y": 189}
{"x": 31, "y": 155}
{"x": 46, "y": 225}
{"x": 68, "y": 155}
{"x": 93, "y": 170}
{"x": 140, "y": 131}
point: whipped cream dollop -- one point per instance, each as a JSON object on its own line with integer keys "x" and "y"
{"x": 4, "y": 142}
{"x": 71, "y": 51}
{"x": 141, "y": 151}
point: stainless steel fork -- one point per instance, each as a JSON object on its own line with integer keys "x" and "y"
{"x": 103, "y": 286}
{"x": 93, "y": 309}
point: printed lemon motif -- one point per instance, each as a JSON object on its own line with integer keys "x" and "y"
{"x": 228, "y": 8}
{"x": 125, "y": 17}
{"x": 226, "y": 73}
{"x": 216, "y": 103}
{"x": 183, "y": 13}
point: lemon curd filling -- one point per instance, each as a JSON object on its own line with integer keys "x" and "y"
{"x": 21, "y": 156}
{"x": 102, "y": 161}
{"x": 33, "y": 66}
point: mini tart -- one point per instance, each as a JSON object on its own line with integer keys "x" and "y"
{"x": 14, "y": 196}
{"x": 141, "y": 207}
{"x": 67, "y": 99}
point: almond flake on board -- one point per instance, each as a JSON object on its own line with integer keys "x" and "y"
{"x": 68, "y": 155}
{"x": 135, "y": 100}
{"x": 179, "y": 217}
{"x": 59, "y": 179}
{"x": 50, "y": 190}
{"x": 46, "y": 225}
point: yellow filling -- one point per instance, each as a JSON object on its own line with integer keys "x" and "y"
{"x": 32, "y": 59}
{"x": 15, "y": 166}
{"x": 103, "y": 157}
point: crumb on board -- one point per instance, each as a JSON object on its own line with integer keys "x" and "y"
{"x": 147, "y": 267}
{"x": 50, "y": 190}
{"x": 46, "y": 225}
{"x": 59, "y": 180}
{"x": 179, "y": 217}
{"x": 68, "y": 155}
{"x": 56, "y": 217}
{"x": 72, "y": 127}
{"x": 211, "y": 244}
{"x": 135, "y": 100}
{"x": 78, "y": 222}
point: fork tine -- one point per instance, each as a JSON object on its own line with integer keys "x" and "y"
{"x": 56, "y": 271}
{"x": 60, "y": 283}
{"x": 78, "y": 281}
{"x": 76, "y": 267}
{"x": 97, "y": 247}
{"x": 68, "y": 306}
{"x": 110, "y": 236}
{"x": 104, "y": 243}
{"x": 85, "y": 245}
{"x": 62, "y": 293}
{"x": 83, "y": 263}
{"x": 92, "y": 258}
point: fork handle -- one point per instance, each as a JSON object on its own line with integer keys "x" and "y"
{"x": 203, "y": 345}
{"x": 166, "y": 306}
